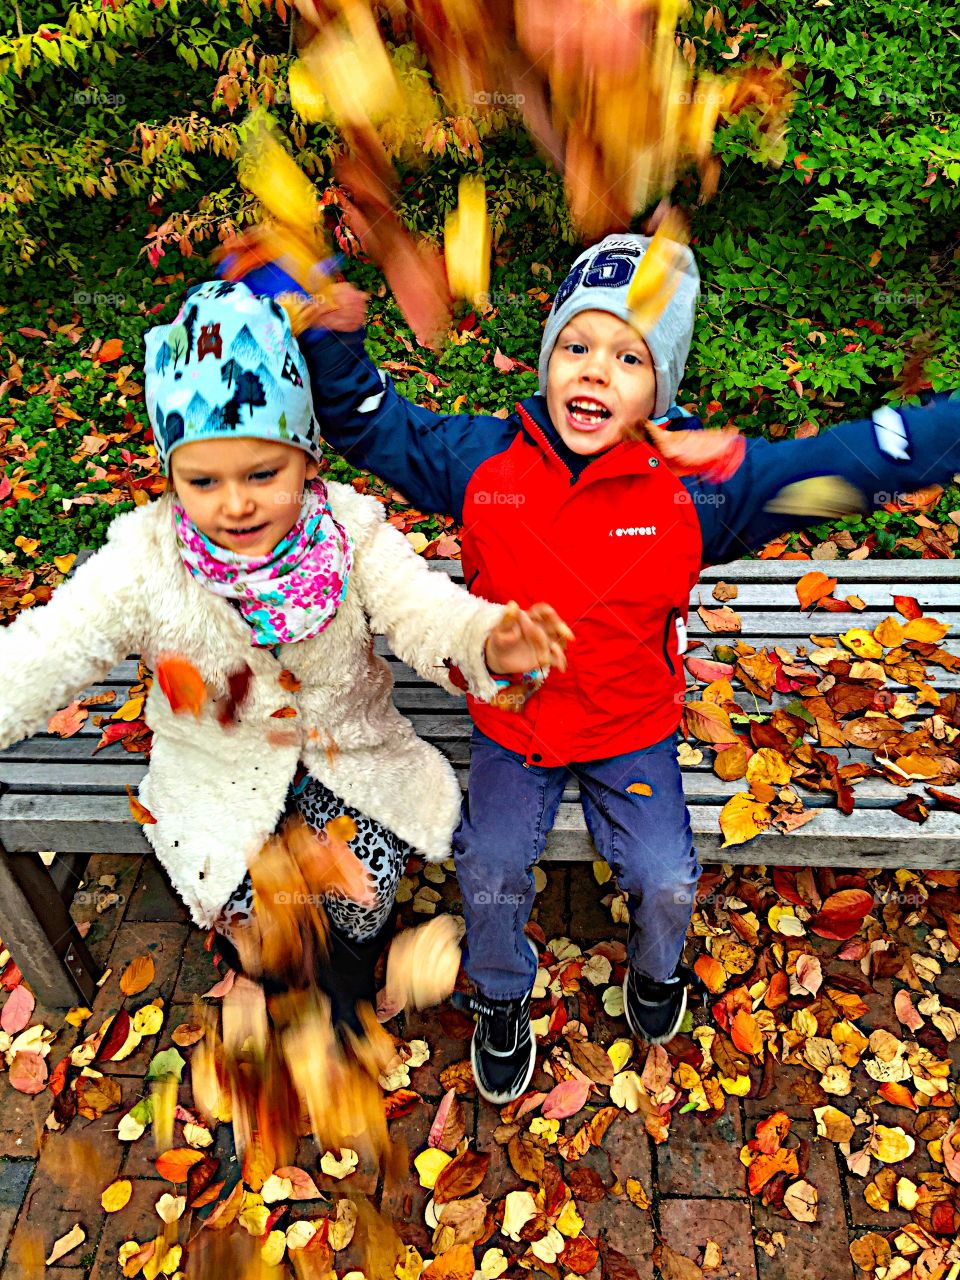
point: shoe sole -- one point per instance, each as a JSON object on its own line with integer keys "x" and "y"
{"x": 500, "y": 1099}
{"x": 669, "y": 1034}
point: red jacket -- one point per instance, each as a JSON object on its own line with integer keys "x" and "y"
{"x": 617, "y": 553}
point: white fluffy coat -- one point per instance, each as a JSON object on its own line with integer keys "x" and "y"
{"x": 216, "y": 792}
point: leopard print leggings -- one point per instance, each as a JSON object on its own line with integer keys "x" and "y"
{"x": 383, "y": 854}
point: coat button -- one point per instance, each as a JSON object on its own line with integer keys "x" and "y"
{"x": 654, "y": 462}
{"x": 536, "y": 757}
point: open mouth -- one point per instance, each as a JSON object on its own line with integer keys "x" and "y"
{"x": 586, "y": 412}
{"x": 250, "y": 531}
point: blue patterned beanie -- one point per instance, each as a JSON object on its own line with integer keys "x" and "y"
{"x": 228, "y": 365}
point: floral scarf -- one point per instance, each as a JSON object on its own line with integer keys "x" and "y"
{"x": 288, "y": 595}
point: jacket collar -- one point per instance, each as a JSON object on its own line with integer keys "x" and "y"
{"x": 629, "y": 457}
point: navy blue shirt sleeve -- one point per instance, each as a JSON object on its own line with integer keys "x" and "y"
{"x": 857, "y": 466}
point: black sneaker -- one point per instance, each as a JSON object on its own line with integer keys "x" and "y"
{"x": 503, "y": 1051}
{"x": 655, "y": 1010}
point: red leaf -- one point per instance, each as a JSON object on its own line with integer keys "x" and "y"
{"x": 68, "y": 721}
{"x": 907, "y": 607}
{"x": 111, "y": 350}
{"x": 17, "y": 1011}
{"x": 182, "y": 684}
{"x": 842, "y": 914}
{"x": 566, "y": 1099}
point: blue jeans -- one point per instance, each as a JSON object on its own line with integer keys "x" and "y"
{"x": 508, "y": 812}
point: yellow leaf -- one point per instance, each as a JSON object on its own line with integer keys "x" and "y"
{"x": 889, "y": 632}
{"x": 601, "y": 871}
{"x": 148, "y": 1020}
{"x": 569, "y": 1222}
{"x": 137, "y": 976}
{"x": 117, "y": 1195}
{"x": 132, "y": 709}
{"x": 640, "y": 789}
{"x": 890, "y": 1145}
{"x": 335, "y": 1167}
{"x": 343, "y": 828}
{"x": 27, "y": 545}
{"x": 273, "y": 1248}
{"x": 620, "y": 1053}
{"x": 77, "y": 1017}
{"x": 769, "y": 766}
{"x": 925, "y": 629}
{"x": 269, "y": 173}
{"x": 862, "y": 643}
{"x": 64, "y": 563}
{"x": 636, "y": 1194}
{"x": 429, "y": 1165}
{"x": 466, "y": 242}
{"x": 742, "y": 818}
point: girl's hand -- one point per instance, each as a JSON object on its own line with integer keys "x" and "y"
{"x": 527, "y": 639}
{"x": 344, "y": 312}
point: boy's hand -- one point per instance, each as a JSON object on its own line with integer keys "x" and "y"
{"x": 524, "y": 640}
{"x": 343, "y": 310}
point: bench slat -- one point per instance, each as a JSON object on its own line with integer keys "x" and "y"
{"x": 102, "y": 824}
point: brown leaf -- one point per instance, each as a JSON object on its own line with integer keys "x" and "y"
{"x": 724, "y": 591}
{"x": 586, "y": 1185}
{"x": 462, "y": 1175}
{"x": 842, "y": 914}
{"x": 945, "y": 798}
{"x": 199, "y": 1178}
{"x": 593, "y": 1060}
{"x": 458, "y": 1076}
{"x": 723, "y": 620}
{"x": 912, "y": 808}
{"x": 675, "y": 1266}
{"x": 870, "y": 1252}
{"x": 95, "y": 1096}
{"x": 616, "y": 1266}
{"x": 579, "y": 1255}
{"x": 526, "y": 1157}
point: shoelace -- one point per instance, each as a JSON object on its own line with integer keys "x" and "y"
{"x": 502, "y": 1027}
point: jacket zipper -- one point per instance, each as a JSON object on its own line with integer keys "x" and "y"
{"x": 670, "y": 627}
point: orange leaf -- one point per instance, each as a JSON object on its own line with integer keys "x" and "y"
{"x": 711, "y": 972}
{"x": 287, "y": 680}
{"x": 907, "y": 607}
{"x": 813, "y": 587}
{"x": 68, "y": 721}
{"x": 842, "y": 914}
{"x": 640, "y": 789}
{"x": 777, "y": 992}
{"x": 925, "y": 629}
{"x": 140, "y": 812}
{"x": 745, "y": 1033}
{"x": 283, "y": 713}
{"x": 897, "y": 1094}
{"x": 176, "y": 1163}
{"x": 771, "y": 1132}
{"x": 111, "y": 350}
{"x": 766, "y": 1167}
{"x": 137, "y": 976}
{"x": 181, "y": 683}
{"x": 709, "y": 722}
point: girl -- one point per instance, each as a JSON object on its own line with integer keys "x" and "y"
{"x": 271, "y": 584}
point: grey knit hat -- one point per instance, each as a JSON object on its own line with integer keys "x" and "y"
{"x": 599, "y": 281}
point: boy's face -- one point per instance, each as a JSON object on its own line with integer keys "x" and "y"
{"x": 244, "y": 495}
{"x": 600, "y": 381}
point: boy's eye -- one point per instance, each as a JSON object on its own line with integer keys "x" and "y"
{"x": 578, "y": 348}
{"x": 630, "y": 357}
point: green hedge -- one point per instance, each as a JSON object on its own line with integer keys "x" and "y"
{"x": 819, "y": 277}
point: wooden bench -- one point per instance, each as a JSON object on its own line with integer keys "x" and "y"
{"x": 56, "y": 795}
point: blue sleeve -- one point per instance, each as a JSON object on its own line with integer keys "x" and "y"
{"x": 857, "y": 466}
{"x": 429, "y": 457}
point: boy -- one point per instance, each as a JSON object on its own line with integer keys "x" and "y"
{"x": 558, "y": 502}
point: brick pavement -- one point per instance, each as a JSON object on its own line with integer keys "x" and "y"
{"x": 695, "y": 1181}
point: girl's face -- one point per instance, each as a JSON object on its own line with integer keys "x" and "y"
{"x": 600, "y": 382}
{"x": 244, "y": 495}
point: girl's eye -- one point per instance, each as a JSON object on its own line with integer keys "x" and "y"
{"x": 201, "y": 483}
{"x": 578, "y": 348}
{"x": 631, "y": 357}
{"x": 263, "y": 475}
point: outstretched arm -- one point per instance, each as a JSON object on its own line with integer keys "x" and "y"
{"x": 428, "y": 456}
{"x": 48, "y": 654}
{"x": 857, "y": 466}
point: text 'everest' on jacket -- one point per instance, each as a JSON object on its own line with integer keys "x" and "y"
{"x": 616, "y": 545}
{"x": 217, "y": 791}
